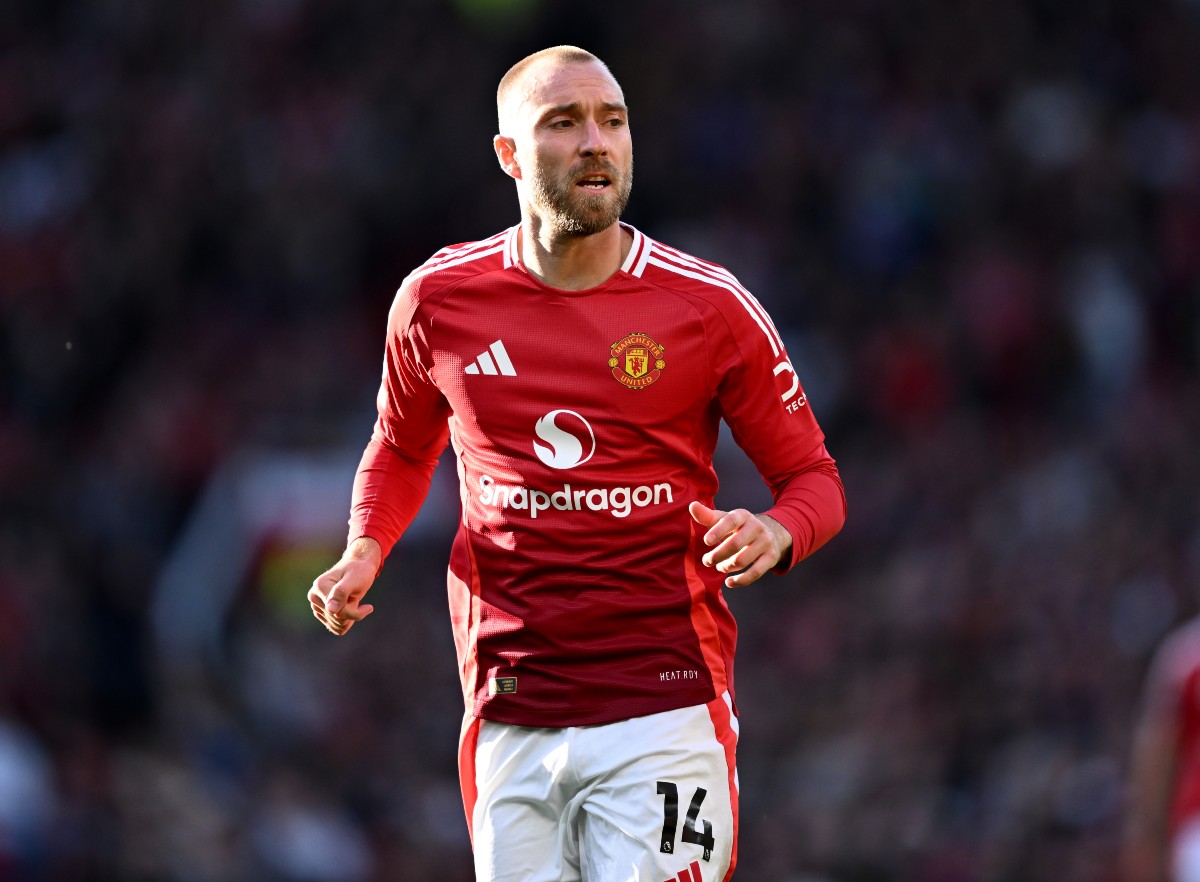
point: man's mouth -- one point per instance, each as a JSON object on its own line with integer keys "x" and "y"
{"x": 594, "y": 182}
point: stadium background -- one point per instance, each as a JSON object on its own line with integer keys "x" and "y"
{"x": 976, "y": 223}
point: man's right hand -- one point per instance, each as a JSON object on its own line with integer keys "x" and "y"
{"x": 336, "y": 595}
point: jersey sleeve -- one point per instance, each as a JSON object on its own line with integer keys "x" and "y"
{"x": 410, "y": 433}
{"x": 761, "y": 399}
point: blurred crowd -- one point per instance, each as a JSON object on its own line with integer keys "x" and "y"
{"x": 977, "y": 225}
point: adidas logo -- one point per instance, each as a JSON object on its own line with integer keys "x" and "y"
{"x": 691, "y": 874}
{"x": 484, "y": 364}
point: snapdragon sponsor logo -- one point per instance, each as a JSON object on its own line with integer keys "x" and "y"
{"x": 617, "y": 501}
{"x": 563, "y": 447}
{"x": 564, "y": 439}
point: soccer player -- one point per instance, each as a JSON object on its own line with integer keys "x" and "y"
{"x": 581, "y": 369}
{"x": 1163, "y": 821}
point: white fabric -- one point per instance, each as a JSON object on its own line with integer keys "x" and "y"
{"x": 583, "y": 804}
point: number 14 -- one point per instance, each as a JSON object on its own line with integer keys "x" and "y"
{"x": 670, "y": 793}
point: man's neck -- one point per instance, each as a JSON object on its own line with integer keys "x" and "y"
{"x": 573, "y": 263}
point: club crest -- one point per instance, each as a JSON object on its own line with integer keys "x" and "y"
{"x": 636, "y": 361}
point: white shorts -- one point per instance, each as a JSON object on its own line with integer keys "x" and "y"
{"x": 651, "y": 799}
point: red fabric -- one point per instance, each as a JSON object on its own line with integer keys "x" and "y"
{"x": 468, "y": 742}
{"x": 723, "y": 725}
{"x": 584, "y": 423}
{"x": 1186, "y": 802}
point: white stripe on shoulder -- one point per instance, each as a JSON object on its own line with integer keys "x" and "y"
{"x": 458, "y": 261}
{"x": 455, "y": 252}
{"x": 451, "y": 257}
{"x": 695, "y": 262}
{"x": 695, "y": 270}
{"x": 720, "y": 272}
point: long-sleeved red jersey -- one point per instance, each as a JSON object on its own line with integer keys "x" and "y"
{"x": 584, "y": 423}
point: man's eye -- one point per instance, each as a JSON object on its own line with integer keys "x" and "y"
{"x": 561, "y": 124}
{"x": 616, "y": 123}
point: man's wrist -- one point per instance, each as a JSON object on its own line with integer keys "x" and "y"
{"x": 365, "y": 548}
{"x": 783, "y": 539}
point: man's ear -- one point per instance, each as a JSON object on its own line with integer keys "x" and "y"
{"x": 506, "y": 153}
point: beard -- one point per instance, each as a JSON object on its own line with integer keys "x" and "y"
{"x": 573, "y": 212}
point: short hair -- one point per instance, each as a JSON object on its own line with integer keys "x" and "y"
{"x": 511, "y": 80}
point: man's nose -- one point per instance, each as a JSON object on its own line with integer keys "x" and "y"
{"x": 594, "y": 141}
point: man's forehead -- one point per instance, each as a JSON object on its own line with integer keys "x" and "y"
{"x": 551, "y": 82}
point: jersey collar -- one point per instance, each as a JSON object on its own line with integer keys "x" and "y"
{"x": 634, "y": 264}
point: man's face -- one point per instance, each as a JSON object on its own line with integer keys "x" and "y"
{"x": 574, "y": 148}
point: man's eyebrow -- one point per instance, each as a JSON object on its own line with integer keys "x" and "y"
{"x": 574, "y": 107}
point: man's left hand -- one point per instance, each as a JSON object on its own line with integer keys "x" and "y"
{"x": 744, "y": 544}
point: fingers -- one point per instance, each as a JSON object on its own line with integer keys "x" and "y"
{"x": 703, "y": 515}
{"x": 335, "y": 600}
{"x": 318, "y": 600}
{"x": 759, "y": 568}
{"x": 730, "y": 532}
{"x": 742, "y": 545}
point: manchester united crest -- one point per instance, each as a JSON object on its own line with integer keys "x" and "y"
{"x": 636, "y": 361}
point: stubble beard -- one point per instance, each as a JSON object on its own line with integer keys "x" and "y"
{"x": 571, "y": 213}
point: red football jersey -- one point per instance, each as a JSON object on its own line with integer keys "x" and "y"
{"x": 584, "y": 423}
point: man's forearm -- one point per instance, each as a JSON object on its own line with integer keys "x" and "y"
{"x": 388, "y": 492}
